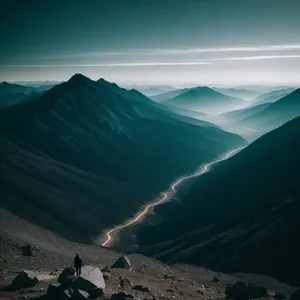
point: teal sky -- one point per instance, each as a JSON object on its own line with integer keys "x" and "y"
{"x": 176, "y": 42}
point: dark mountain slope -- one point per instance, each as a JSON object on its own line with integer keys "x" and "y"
{"x": 85, "y": 130}
{"x": 243, "y": 216}
{"x": 205, "y": 100}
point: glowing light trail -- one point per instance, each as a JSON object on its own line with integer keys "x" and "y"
{"x": 166, "y": 196}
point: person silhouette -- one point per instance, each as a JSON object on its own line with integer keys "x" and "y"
{"x": 77, "y": 264}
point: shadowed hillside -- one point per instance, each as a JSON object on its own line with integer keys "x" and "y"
{"x": 275, "y": 114}
{"x": 244, "y": 215}
{"x": 92, "y": 151}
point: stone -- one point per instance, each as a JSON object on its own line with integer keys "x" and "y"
{"x": 80, "y": 295}
{"x": 279, "y": 296}
{"x": 238, "y": 291}
{"x": 121, "y": 296}
{"x": 123, "y": 263}
{"x": 295, "y": 296}
{"x": 216, "y": 279}
{"x": 106, "y": 275}
{"x": 67, "y": 276}
{"x": 25, "y": 279}
{"x": 141, "y": 288}
{"x": 27, "y": 250}
{"x": 106, "y": 269}
{"x": 125, "y": 283}
{"x": 91, "y": 278}
{"x": 256, "y": 291}
{"x": 55, "y": 292}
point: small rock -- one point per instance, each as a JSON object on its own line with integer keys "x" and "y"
{"x": 141, "y": 288}
{"x": 125, "y": 283}
{"x": 25, "y": 279}
{"x": 279, "y": 296}
{"x": 66, "y": 276}
{"x": 123, "y": 263}
{"x": 106, "y": 269}
{"x": 238, "y": 291}
{"x": 106, "y": 275}
{"x": 27, "y": 250}
{"x": 200, "y": 292}
{"x": 216, "y": 279}
{"x": 121, "y": 296}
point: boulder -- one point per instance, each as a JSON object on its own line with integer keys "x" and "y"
{"x": 123, "y": 263}
{"x": 27, "y": 250}
{"x": 121, "y": 296}
{"x": 55, "y": 292}
{"x": 141, "y": 288}
{"x": 25, "y": 279}
{"x": 66, "y": 276}
{"x": 91, "y": 281}
{"x": 238, "y": 291}
{"x": 80, "y": 295}
{"x": 216, "y": 279}
{"x": 279, "y": 296}
{"x": 295, "y": 296}
{"x": 256, "y": 291}
{"x": 241, "y": 291}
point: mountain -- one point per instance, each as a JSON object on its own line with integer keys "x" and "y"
{"x": 206, "y": 100}
{"x": 243, "y": 216}
{"x": 11, "y": 94}
{"x": 11, "y": 88}
{"x": 86, "y": 155}
{"x": 241, "y": 114}
{"x": 244, "y": 94}
{"x": 167, "y": 95}
{"x": 275, "y": 114}
{"x": 151, "y": 91}
{"x": 272, "y": 96}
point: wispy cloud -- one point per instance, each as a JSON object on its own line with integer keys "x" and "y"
{"x": 206, "y": 61}
{"x": 263, "y": 48}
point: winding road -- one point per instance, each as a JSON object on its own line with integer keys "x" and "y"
{"x": 165, "y": 196}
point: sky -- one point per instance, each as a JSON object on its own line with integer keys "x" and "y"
{"x": 177, "y": 42}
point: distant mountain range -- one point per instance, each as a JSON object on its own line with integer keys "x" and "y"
{"x": 150, "y": 90}
{"x": 241, "y": 114}
{"x": 243, "y": 216}
{"x": 272, "y": 96}
{"x": 275, "y": 114}
{"x": 244, "y": 94}
{"x": 11, "y": 94}
{"x": 206, "y": 100}
{"x": 85, "y": 155}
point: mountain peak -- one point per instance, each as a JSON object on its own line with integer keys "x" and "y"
{"x": 78, "y": 79}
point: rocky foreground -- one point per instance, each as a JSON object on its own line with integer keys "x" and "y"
{"x": 36, "y": 264}
{"x": 121, "y": 281}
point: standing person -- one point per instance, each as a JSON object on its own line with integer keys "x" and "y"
{"x": 77, "y": 264}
